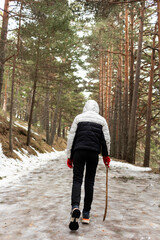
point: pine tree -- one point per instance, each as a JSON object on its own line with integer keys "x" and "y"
{"x": 3, "y": 40}
{"x": 131, "y": 135}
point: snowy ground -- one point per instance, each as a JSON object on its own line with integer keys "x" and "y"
{"x": 35, "y": 201}
{"x": 13, "y": 169}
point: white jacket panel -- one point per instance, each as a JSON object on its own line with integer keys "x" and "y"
{"x": 90, "y": 114}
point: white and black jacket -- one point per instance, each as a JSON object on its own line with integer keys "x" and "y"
{"x": 89, "y": 131}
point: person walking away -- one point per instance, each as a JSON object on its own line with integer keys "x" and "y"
{"x": 89, "y": 136}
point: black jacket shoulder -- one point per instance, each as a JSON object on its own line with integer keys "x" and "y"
{"x": 89, "y": 136}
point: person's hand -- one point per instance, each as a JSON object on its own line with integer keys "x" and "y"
{"x": 106, "y": 160}
{"x": 70, "y": 163}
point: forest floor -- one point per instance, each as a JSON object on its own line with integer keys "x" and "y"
{"x": 37, "y": 141}
{"x": 36, "y": 206}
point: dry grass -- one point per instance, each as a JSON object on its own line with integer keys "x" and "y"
{"x": 20, "y": 138}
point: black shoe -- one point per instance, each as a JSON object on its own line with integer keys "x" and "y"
{"x": 74, "y": 225}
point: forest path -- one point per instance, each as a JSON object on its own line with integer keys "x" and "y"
{"x": 38, "y": 206}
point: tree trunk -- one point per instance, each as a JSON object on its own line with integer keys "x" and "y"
{"x": 101, "y": 82}
{"x": 158, "y": 12}
{"x": 5, "y": 93}
{"x": 47, "y": 113}
{"x": 135, "y": 143}
{"x": 33, "y": 97}
{"x": 114, "y": 125}
{"x": 119, "y": 145}
{"x": 64, "y": 135}
{"x": 125, "y": 131}
{"x": 130, "y": 149}
{"x": 13, "y": 83}
{"x": 12, "y": 106}
{"x": 3, "y": 43}
{"x": 149, "y": 103}
{"x": 101, "y": 72}
{"x": 107, "y": 88}
{"x": 54, "y": 123}
{"x": 104, "y": 84}
{"x": 131, "y": 80}
{"x": 59, "y": 125}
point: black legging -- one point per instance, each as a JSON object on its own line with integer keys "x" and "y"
{"x": 80, "y": 158}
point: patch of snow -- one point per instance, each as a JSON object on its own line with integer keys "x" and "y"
{"x": 19, "y": 125}
{"x": 25, "y": 151}
{"x": 115, "y": 164}
{"x": 34, "y": 149}
{"x": 35, "y": 133}
{"x": 26, "y": 128}
{"x": 13, "y": 169}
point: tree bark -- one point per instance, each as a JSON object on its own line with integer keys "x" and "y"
{"x": 54, "y": 123}
{"x": 3, "y": 43}
{"x": 114, "y": 125}
{"x": 33, "y": 97}
{"x": 104, "y": 84}
{"x": 101, "y": 81}
{"x": 130, "y": 150}
{"x": 47, "y": 113}
{"x": 158, "y": 12}
{"x": 5, "y": 93}
{"x": 149, "y": 103}
{"x": 12, "y": 89}
{"x": 101, "y": 56}
{"x": 12, "y": 106}
{"x": 135, "y": 143}
{"x": 125, "y": 130}
{"x": 107, "y": 89}
{"x": 119, "y": 144}
{"x": 59, "y": 125}
{"x": 64, "y": 134}
{"x": 131, "y": 80}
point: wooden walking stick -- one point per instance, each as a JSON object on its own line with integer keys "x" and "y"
{"x": 105, "y": 211}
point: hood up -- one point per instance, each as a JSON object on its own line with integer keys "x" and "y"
{"x": 91, "y": 105}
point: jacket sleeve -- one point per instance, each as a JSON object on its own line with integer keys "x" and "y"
{"x": 106, "y": 136}
{"x": 71, "y": 137}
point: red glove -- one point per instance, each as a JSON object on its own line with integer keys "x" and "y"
{"x": 106, "y": 160}
{"x": 70, "y": 163}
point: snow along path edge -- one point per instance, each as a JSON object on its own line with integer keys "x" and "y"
{"x": 115, "y": 164}
{"x": 13, "y": 169}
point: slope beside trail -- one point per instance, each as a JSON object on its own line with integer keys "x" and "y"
{"x": 37, "y": 206}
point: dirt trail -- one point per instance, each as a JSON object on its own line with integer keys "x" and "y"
{"x": 37, "y": 207}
